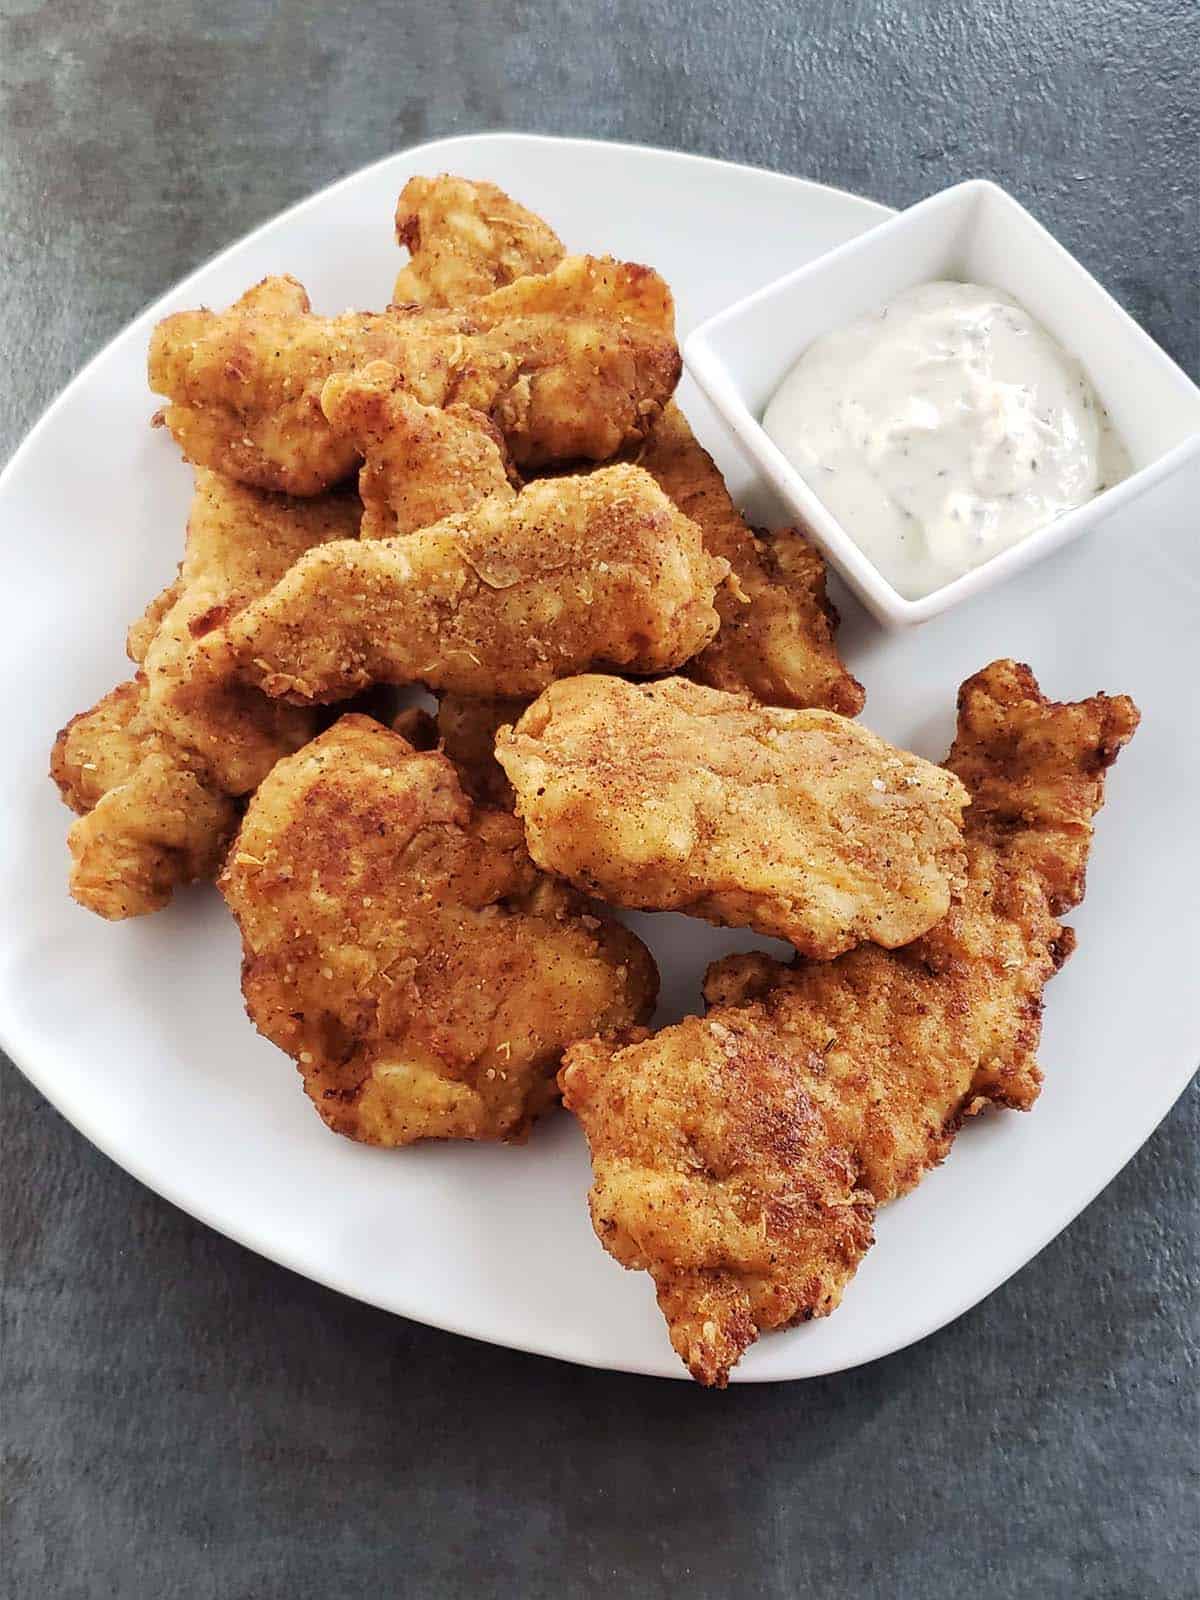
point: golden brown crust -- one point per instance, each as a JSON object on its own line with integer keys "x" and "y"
{"x": 777, "y": 624}
{"x": 573, "y": 365}
{"x": 401, "y": 947}
{"x": 100, "y": 747}
{"x": 501, "y": 600}
{"x": 421, "y": 463}
{"x": 887, "y": 1051}
{"x": 157, "y": 764}
{"x": 139, "y": 636}
{"x": 1037, "y": 809}
{"x": 149, "y": 820}
{"x": 240, "y": 543}
{"x": 714, "y": 1173}
{"x": 465, "y": 239}
{"x": 674, "y": 797}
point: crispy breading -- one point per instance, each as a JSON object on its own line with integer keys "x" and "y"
{"x": 467, "y": 728}
{"x": 100, "y": 747}
{"x": 240, "y": 543}
{"x": 738, "y": 1157}
{"x": 420, "y": 463}
{"x": 777, "y": 625}
{"x": 155, "y": 763}
{"x": 573, "y": 573}
{"x": 139, "y": 635}
{"x": 572, "y": 365}
{"x": 150, "y": 820}
{"x": 674, "y": 797}
{"x": 466, "y": 238}
{"x": 712, "y": 1172}
{"x": 402, "y": 948}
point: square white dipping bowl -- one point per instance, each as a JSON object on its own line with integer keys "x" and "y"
{"x": 973, "y": 233}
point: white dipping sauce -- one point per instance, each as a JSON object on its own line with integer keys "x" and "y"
{"x": 943, "y": 429}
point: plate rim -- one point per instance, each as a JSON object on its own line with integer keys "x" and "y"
{"x": 22, "y": 1051}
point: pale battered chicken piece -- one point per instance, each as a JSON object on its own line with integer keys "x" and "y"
{"x": 240, "y": 543}
{"x": 738, "y": 1158}
{"x": 421, "y": 463}
{"x": 573, "y": 573}
{"x": 466, "y": 238}
{"x": 150, "y": 820}
{"x": 139, "y": 635}
{"x": 572, "y": 365}
{"x": 671, "y": 796}
{"x": 467, "y": 729}
{"x": 402, "y": 948}
{"x": 777, "y": 626}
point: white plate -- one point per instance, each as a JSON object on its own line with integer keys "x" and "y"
{"x": 136, "y": 1031}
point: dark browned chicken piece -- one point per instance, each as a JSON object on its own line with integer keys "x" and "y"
{"x": 777, "y": 637}
{"x": 467, "y": 728}
{"x": 403, "y": 949}
{"x": 739, "y": 1158}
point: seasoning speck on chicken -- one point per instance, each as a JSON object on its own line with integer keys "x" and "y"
{"x": 672, "y": 797}
{"x": 497, "y": 601}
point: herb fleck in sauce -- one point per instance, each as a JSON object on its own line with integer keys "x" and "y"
{"x": 943, "y": 429}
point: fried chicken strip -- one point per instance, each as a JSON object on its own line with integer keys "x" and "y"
{"x": 402, "y": 948}
{"x": 150, "y": 820}
{"x": 572, "y": 573}
{"x": 777, "y": 638}
{"x": 154, "y": 765}
{"x": 777, "y": 626}
{"x": 466, "y": 238}
{"x": 572, "y": 365}
{"x": 240, "y": 543}
{"x": 739, "y": 1158}
{"x": 673, "y": 797}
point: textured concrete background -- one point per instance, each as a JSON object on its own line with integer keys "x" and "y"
{"x": 183, "y": 1419}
